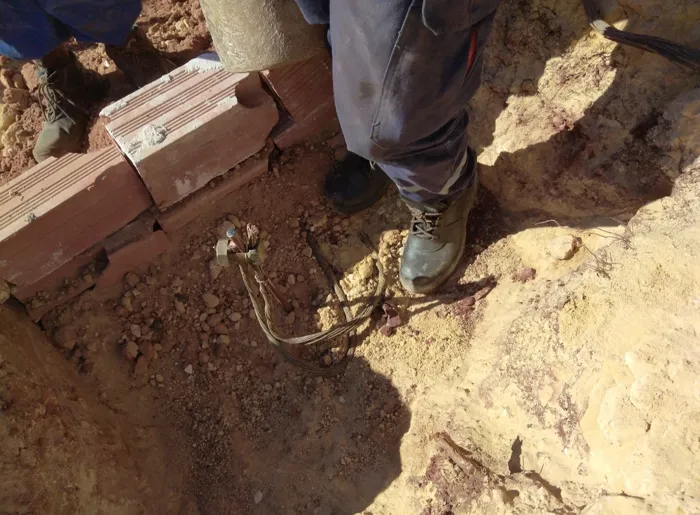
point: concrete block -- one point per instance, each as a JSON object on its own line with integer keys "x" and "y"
{"x": 63, "y": 207}
{"x": 191, "y": 126}
{"x": 132, "y": 256}
{"x": 204, "y": 200}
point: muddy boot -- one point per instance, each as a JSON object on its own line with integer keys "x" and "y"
{"x": 436, "y": 241}
{"x": 354, "y": 184}
{"x": 62, "y": 88}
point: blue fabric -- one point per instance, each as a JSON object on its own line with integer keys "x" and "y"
{"x": 401, "y": 84}
{"x": 30, "y": 29}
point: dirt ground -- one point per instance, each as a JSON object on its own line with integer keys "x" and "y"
{"x": 174, "y": 31}
{"x": 547, "y": 394}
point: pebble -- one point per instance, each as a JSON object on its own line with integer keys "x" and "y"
{"x": 223, "y": 339}
{"x": 147, "y": 350}
{"x": 258, "y": 497}
{"x": 136, "y": 330}
{"x": 215, "y": 269}
{"x": 130, "y": 350}
{"x": 268, "y": 387}
{"x": 159, "y": 378}
{"x": 65, "y": 337}
{"x": 126, "y": 303}
{"x": 215, "y": 319}
{"x": 203, "y": 357}
{"x": 220, "y": 329}
{"x": 189, "y": 370}
{"x": 158, "y": 347}
{"x": 179, "y": 306}
{"x": 341, "y": 400}
{"x": 307, "y": 252}
{"x": 290, "y": 318}
{"x": 131, "y": 279}
{"x": 327, "y": 360}
{"x": 291, "y": 280}
{"x": 300, "y": 278}
{"x": 210, "y": 300}
{"x": 253, "y": 343}
{"x": 235, "y": 317}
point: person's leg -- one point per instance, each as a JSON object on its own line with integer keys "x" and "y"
{"x": 403, "y": 71}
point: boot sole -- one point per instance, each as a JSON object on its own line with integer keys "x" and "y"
{"x": 429, "y": 288}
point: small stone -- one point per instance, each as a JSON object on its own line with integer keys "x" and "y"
{"x": 220, "y": 329}
{"x": 158, "y": 347}
{"x": 141, "y": 365}
{"x": 258, "y": 497}
{"x": 210, "y": 300}
{"x": 189, "y": 370}
{"x": 66, "y": 337}
{"x": 205, "y": 327}
{"x": 563, "y": 247}
{"x": 300, "y": 278}
{"x": 291, "y": 280}
{"x": 130, "y": 350}
{"x": 253, "y": 343}
{"x": 215, "y": 269}
{"x": 327, "y": 360}
{"x": 150, "y": 280}
{"x": 215, "y": 319}
{"x": 147, "y": 350}
{"x": 341, "y": 400}
{"x": 223, "y": 339}
{"x": 290, "y": 318}
{"x": 135, "y": 330}
{"x": 235, "y": 317}
{"x": 203, "y": 357}
{"x": 307, "y": 252}
{"x": 131, "y": 279}
{"x": 268, "y": 387}
{"x": 159, "y": 378}
{"x": 126, "y": 304}
{"x": 319, "y": 220}
{"x": 179, "y": 306}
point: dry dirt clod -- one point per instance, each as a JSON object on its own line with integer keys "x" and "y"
{"x": 65, "y": 337}
{"x": 203, "y": 357}
{"x": 524, "y": 275}
{"x": 179, "y": 306}
{"x": 210, "y": 300}
{"x": 130, "y": 350}
{"x": 563, "y": 247}
{"x": 148, "y": 350}
{"x": 215, "y": 269}
{"x": 141, "y": 365}
{"x": 215, "y": 319}
{"x": 131, "y": 279}
{"x": 220, "y": 329}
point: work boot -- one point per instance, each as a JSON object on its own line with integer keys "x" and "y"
{"x": 354, "y": 184}
{"x": 436, "y": 241}
{"x": 61, "y": 89}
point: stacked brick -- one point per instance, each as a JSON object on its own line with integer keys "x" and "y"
{"x": 85, "y": 220}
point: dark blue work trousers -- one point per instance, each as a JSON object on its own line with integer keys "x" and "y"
{"x": 403, "y": 71}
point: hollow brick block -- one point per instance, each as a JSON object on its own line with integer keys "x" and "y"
{"x": 191, "y": 126}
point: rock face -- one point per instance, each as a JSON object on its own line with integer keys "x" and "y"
{"x": 595, "y": 374}
{"x": 570, "y": 124}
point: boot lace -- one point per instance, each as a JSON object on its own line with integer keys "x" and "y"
{"x": 53, "y": 98}
{"x": 423, "y": 224}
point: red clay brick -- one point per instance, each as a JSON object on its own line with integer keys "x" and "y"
{"x": 53, "y": 282}
{"x": 203, "y": 201}
{"x": 192, "y": 125}
{"x": 131, "y": 232}
{"x": 293, "y": 133}
{"x": 61, "y": 208}
{"x": 305, "y": 90}
{"x": 131, "y": 256}
{"x": 302, "y": 87}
